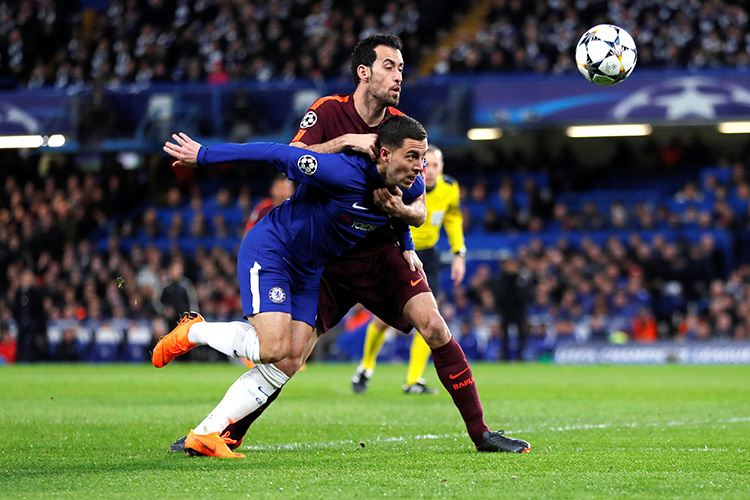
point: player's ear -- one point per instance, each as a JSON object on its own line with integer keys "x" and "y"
{"x": 363, "y": 72}
{"x": 385, "y": 154}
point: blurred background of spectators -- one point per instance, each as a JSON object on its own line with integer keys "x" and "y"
{"x": 644, "y": 285}
{"x": 61, "y": 44}
{"x": 95, "y": 244}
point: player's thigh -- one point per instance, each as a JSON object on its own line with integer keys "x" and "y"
{"x": 334, "y": 299}
{"x": 265, "y": 284}
{"x": 396, "y": 286}
{"x": 422, "y": 312}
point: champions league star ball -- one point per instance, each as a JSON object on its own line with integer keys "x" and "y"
{"x": 606, "y": 54}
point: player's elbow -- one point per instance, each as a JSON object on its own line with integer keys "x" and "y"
{"x": 418, "y": 219}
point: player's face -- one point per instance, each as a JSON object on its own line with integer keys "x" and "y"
{"x": 281, "y": 189}
{"x": 433, "y": 168}
{"x": 386, "y": 75}
{"x": 405, "y": 163}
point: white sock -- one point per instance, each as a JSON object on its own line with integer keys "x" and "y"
{"x": 237, "y": 339}
{"x": 244, "y": 396}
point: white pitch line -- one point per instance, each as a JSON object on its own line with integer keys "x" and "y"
{"x": 673, "y": 423}
{"x": 651, "y": 424}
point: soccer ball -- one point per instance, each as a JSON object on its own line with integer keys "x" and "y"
{"x": 606, "y": 54}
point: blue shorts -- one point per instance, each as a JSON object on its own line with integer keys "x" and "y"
{"x": 268, "y": 282}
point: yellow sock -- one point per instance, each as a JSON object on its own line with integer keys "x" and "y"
{"x": 374, "y": 339}
{"x": 420, "y": 354}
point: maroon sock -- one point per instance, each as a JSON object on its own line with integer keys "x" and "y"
{"x": 238, "y": 429}
{"x": 455, "y": 374}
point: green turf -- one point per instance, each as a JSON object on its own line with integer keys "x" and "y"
{"x": 82, "y": 431}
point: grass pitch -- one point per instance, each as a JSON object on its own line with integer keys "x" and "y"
{"x": 88, "y": 431}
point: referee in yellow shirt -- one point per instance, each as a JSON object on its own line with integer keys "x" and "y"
{"x": 442, "y": 210}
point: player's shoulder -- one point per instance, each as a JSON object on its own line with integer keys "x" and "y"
{"x": 358, "y": 160}
{"x": 330, "y": 100}
{"x": 327, "y": 107}
{"x": 394, "y": 111}
{"x": 451, "y": 181}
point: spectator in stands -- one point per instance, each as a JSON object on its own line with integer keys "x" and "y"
{"x": 178, "y": 293}
{"x": 67, "y": 350}
{"x": 150, "y": 225}
{"x": 8, "y": 345}
{"x": 512, "y": 293}
{"x": 644, "y": 326}
{"x": 97, "y": 118}
{"x": 244, "y": 118}
{"x": 690, "y": 194}
{"x": 31, "y": 319}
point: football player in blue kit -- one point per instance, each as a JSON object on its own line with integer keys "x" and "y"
{"x": 281, "y": 259}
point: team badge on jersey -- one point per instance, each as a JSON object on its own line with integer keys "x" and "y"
{"x": 307, "y": 164}
{"x": 308, "y": 120}
{"x": 277, "y": 295}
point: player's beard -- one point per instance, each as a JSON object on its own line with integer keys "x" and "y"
{"x": 387, "y": 99}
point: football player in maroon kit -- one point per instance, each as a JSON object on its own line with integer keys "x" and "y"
{"x": 386, "y": 279}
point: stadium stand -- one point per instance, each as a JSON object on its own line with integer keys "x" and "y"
{"x": 117, "y": 41}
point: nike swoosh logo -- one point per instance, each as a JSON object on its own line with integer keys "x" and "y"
{"x": 356, "y": 205}
{"x": 415, "y": 283}
{"x": 451, "y": 376}
{"x": 210, "y": 449}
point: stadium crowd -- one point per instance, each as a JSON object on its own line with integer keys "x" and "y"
{"x": 57, "y": 43}
{"x": 214, "y": 40}
{"x": 647, "y": 287}
{"x": 541, "y": 36}
{"x": 62, "y": 233}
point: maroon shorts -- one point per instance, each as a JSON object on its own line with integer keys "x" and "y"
{"x": 377, "y": 277}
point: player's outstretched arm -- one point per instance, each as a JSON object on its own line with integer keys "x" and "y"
{"x": 185, "y": 151}
{"x": 321, "y": 170}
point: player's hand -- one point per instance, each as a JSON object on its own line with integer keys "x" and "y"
{"x": 185, "y": 151}
{"x": 362, "y": 143}
{"x": 389, "y": 200}
{"x": 458, "y": 269}
{"x": 415, "y": 264}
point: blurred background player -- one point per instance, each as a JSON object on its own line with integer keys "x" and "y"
{"x": 443, "y": 210}
{"x": 281, "y": 189}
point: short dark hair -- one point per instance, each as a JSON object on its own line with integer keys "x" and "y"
{"x": 395, "y": 129}
{"x": 364, "y": 51}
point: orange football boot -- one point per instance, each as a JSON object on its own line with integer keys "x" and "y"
{"x": 210, "y": 445}
{"x": 176, "y": 342}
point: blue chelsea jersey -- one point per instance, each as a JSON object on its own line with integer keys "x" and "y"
{"x": 331, "y": 210}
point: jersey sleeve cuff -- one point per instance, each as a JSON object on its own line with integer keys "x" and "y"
{"x": 201, "y": 159}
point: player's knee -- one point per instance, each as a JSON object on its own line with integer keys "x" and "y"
{"x": 276, "y": 351}
{"x": 290, "y": 365}
{"x": 434, "y": 330}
